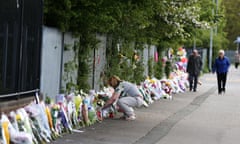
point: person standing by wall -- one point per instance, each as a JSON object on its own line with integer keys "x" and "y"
{"x": 236, "y": 59}
{"x": 221, "y": 67}
{"x": 194, "y": 66}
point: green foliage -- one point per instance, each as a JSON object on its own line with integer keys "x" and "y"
{"x": 215, "y": 14}
{"x": 123, "y": 63}
{"x": 112, "y": 58}
{"x": 58, "y": 14}
{"x": 150, "y": 67}
{"x": 232, "y": 28}
{"x": 205, "y": 68}
{"x": 143, "y": 21}
{"x": 87, "y": 43}
{"x": 138, "y": 73}
{"x": 162, "y": 23}
{"x": 126, "y": 69}
{"x": 168, "y": 68}
{"x": 48, "y": 100}
{"x": 69, "y": 70}
{"x": 158, "y": 70}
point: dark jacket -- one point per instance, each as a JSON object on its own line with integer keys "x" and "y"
{"x": 194, "y": 65}
{"x": 221, "y": 65}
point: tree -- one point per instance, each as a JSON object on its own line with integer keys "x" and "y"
{"x": 233, "y": 24}
{"x": 162, "y": 23}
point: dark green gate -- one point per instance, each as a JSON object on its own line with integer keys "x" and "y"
{"x": 20, "y": 47}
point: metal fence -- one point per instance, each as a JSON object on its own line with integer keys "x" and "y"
{"x": 230, "y": 54}
{"x": 20, "y": 46}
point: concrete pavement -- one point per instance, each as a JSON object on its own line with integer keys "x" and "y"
{"x": 191, "y": 117}
{"x": 216, "y": 121}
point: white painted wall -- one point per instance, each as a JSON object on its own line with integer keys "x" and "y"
{"x": 145, "y": 59}
{"x": 100, "y": 60}
{"x": 68, "y": 55}
{"x": 54, "y": 57}
{"x": 51, "y": 62}
{"x": 97, "y": 62}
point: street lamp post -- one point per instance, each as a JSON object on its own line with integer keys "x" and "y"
{"x": 238, "y": 46}
{"x": 211, "y": 37}
{"x": 210, "y": 50}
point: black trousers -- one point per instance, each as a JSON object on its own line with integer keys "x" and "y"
{"x": 221, "y": 80}
{"x": 193, "y": 80}
{"x": 236, "y": 64}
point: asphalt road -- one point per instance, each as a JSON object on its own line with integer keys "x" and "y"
{"x": 201, "y": 117}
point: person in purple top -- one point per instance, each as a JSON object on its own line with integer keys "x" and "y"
{"x": 221, "y": 67}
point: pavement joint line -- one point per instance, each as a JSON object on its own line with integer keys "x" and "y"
{"x": 163, "y": 128}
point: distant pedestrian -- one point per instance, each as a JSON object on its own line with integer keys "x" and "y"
{"x": 221, "y": 67}
{"x": 194, "y": 67}
{"x": 236, "y": 59}
{"x": 127, "y": 96}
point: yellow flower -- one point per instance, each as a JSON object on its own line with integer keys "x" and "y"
{"x": 18, "y": 117}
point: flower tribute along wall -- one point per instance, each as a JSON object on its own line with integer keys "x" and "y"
{"x": 44, "y": 121}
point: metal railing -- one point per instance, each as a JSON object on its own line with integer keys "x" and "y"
{"x": 19, "y": 93}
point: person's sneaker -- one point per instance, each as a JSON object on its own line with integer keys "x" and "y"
{"x": 123, "y": 117}
{"x": 145, "y": 104}
{"x": 131, "y": 118}
{"x": 223, "y": 90}
{"x": 199, "y": 82}
{"x": 220, "y": 92}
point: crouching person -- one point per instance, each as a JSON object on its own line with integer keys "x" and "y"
{"x": 127, "y": 97}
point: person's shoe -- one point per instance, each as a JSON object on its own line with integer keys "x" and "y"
{"x": 220, "y": 93}
{"x": 199, "y": 82}
{"x": 223, "y": 90}
{"x": 131, "y": 118}
{"x": 145, "y": 104}
{"x": 194, "y": 90}
{"x": 123, "y": 117}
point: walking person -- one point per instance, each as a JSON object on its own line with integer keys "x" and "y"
{"x": 127, "y": 96}
{"x": 221, "y": 67}
{"x": 194, "y": 67}
{"x": 236, "y": 59}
